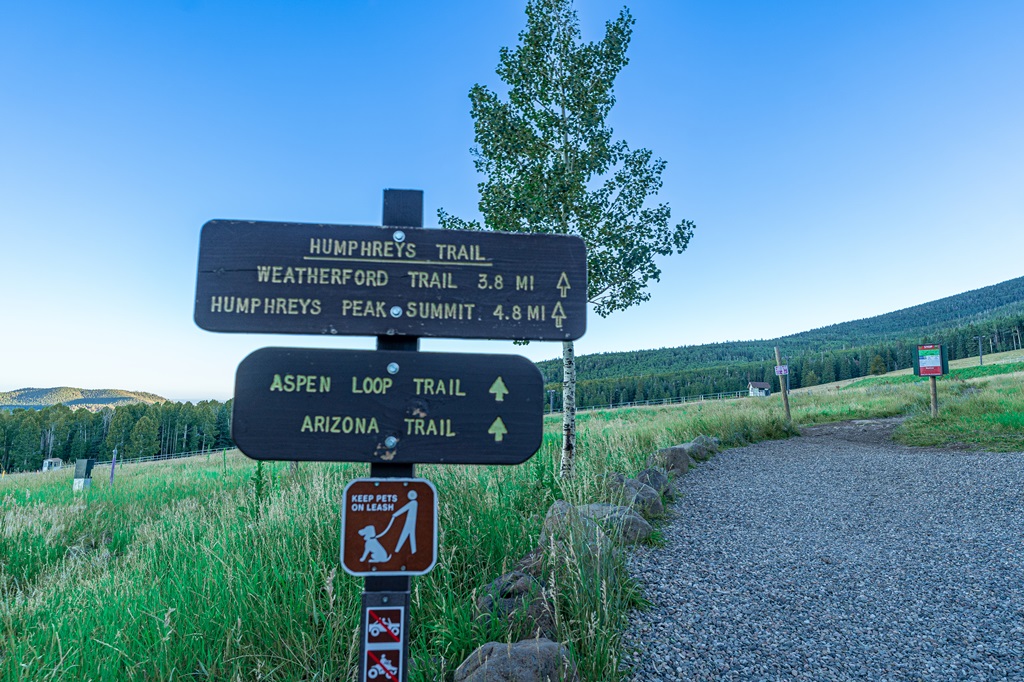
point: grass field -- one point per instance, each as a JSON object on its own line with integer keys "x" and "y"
{"x": 980, "y": 406}
{"x": 221, "y": 569}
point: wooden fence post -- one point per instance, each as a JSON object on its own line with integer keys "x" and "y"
{"x": 782, "y": 386}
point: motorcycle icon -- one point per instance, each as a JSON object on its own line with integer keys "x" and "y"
{"x": 378, "y": 627}
{"x": 383, "y": 668}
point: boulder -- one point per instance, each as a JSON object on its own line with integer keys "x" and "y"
{"x": 698, "y": 451}
{"x": 519, "y": 601}
{"x": 532, "y": 563}
{"x": 622, "y": 522}
{"x": 676, "y": 459}
{"x": 647, "y": 501}
{"x": 563, "y": 525}
{"x": 561, "y": 518}
{"x": 709, "y": 443}
{"x": 635, "y": 494}
{"x": 531, "y": 660}
{"x": 657, "y": 478}
{"x": 675, "y": 490}
{"x": 573, "y": 543}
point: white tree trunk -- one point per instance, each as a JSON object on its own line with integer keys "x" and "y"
{"x": 568, "y": 409}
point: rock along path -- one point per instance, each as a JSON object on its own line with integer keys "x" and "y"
{"x": 837, "y": 555}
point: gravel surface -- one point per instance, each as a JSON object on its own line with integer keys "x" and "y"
{"x": 834, "y": 556}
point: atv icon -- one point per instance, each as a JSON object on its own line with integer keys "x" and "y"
{"x": 385, "y": 668}
{"x": 377, "y": 627}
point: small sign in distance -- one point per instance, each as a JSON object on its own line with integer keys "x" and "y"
{"x": 931, "y": 361}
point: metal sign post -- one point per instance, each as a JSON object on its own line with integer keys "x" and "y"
{"x": 404, "y": 208}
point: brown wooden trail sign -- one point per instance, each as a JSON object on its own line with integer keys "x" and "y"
{"x": 389, "y": 526}
{"x": 387, "y": 406}
{"x": 293, "y": 278}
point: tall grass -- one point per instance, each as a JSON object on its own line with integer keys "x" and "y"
{"x": 983, "y": 414}
{"x": 223, "y": 569}
{"x": 955, "y": 374}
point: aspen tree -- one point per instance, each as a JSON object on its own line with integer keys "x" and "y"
{"x": 551, "y": 165}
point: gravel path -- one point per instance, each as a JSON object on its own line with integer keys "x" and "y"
{"x": 835, "y": 556}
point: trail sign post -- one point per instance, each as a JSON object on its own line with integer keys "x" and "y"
{"x": 931, "y": 361}
{"x": 392, "y": 407}
{"x": 291, "y": 278}
{"x": 387, "y": 406}
{"x": 783, "y": 382}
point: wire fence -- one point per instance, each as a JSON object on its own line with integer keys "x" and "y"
{"x": 161, "y": 458}
{"x": 129, "y": 460}
{"x": 729, "y": 395}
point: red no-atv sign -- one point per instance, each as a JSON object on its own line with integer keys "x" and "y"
{"x": 384, "y": 644}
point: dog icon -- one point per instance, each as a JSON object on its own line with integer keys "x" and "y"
{"x": 374, "y": 549}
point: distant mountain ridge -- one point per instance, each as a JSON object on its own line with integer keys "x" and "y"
{"x": 973, "y": 307}
{"x": 75, "y": 398}
{"x": 988, "y": 310}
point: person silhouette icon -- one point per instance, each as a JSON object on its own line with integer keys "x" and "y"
{"x": 409, "y": 528}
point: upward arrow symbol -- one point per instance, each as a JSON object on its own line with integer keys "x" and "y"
{"x": 558, "y": 314}
{"x": 563, "y": 285}
{"x": 498, "y": 430}
{"x": 499, "y": 390}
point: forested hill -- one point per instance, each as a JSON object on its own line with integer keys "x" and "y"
{"x": 75, "y": 398}
{"x": 845, "y": 350}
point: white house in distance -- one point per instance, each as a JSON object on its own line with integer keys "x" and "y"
{"x": 759, "y": 389}
{"x": 53, "y": 463}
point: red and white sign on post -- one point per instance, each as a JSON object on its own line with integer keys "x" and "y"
{"x": 384, "y": 664}
{"x": 930, "y": 360}
{"x": 385, "y": 646}
{"x": 781, "y": 370}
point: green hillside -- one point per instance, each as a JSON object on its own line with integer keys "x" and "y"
{"x": 839, "y": 351}
{"x": 75, "y": 398}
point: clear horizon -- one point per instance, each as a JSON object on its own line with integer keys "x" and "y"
{"x": 194, "y": 399}
{"x": 840, "y": 162}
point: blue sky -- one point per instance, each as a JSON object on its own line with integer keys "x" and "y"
{"x": 840, "y": 159}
